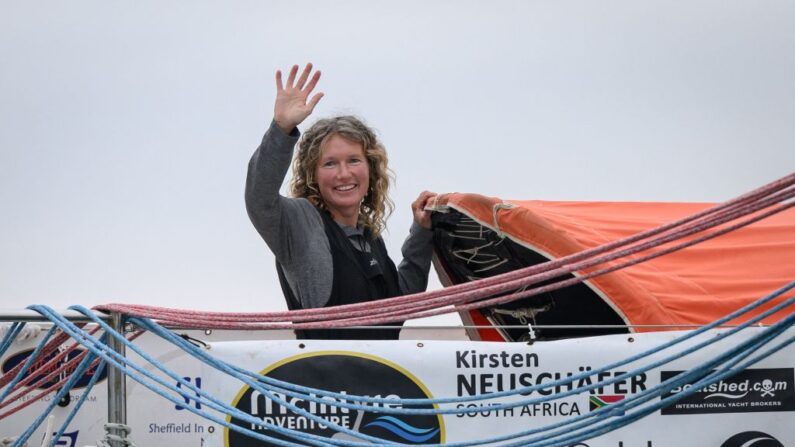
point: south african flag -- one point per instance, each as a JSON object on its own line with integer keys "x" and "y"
{"x": 600, "y": 400}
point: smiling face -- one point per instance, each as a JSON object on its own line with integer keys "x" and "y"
{"x": 343, "y": 178}
{"x": 319, "y": 142}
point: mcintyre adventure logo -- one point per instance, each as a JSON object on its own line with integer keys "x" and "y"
{"x": 345, "y": 373}
{"x": 750, "y": 390}
{"x": 36, "y": 367}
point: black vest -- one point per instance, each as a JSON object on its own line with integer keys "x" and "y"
{"x": 358, "y": 277}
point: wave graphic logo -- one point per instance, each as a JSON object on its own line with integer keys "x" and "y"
{"x": 403, "y": 429}
{"x": 725, "y": 395}
{"x": 346, "y": 373}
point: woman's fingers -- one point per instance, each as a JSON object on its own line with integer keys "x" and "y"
{"x": 423, "y": 199}
{"x": 315, "y": 99}
{"x": 293, "y": 104}
{"x": 304, "y": 76}
{"x": 312, "y": 82}
{"x": 421, "y": 216}
{"x": 291, "y": 76}
{"x": 300, "y": 84}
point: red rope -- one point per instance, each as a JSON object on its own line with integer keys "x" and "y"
{"x": 69, "y": 367}
{"x": 397, "y": 316}
{"x": 51, "y": 346}
{"x": 39, "y": 368}
{"x": 433, "y": 303}
{"x": 432, "y": 306}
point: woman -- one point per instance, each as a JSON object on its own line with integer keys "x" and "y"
{"x": 326, "y": 238}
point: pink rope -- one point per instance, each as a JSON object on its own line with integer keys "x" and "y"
{"x": 69, "y": 367}
{"x": 420, "y": 305}
{"x": 201, "y": 323}
{"x": 321, "y": 312}
{"x": 366, "y": 308}
{"x": 398, "y": 313}
{"x": 461, "y": 306}
{"x": 72, "y": 365}
{"x": 50, "y": 347}
{"x": 49, "y": 365}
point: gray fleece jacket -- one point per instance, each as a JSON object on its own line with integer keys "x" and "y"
{"x": 293, "y": 228}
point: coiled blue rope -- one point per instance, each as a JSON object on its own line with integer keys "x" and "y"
{"x": 111, "y": 356}
{"x": 303, "y": 392}
{"x": 735, "y": 330}
{"x": 732, "y": 356}
{"x": 590, "y": 431}
{"x": 228, "y": 368}
{"x": 575, "y": 391}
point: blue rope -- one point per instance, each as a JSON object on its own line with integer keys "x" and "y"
{"x": 287, "y": 387}
{"x": 224, "y": 407}
{"x": 611, "y": 410}
{"x": 746, "y": 349}
{"x": 79, "y": 403}
{"x": 79, "y": 371}
{"x": 736, "y": 329}
{"x": 732, "y": 331}
{"x": 10, "y": 336}
{"x": 316, "y": 440}
{"x": 223, "y": 366}
{"x": 91, "y": 343}
{"x": 349, "y": 396}
{"x": 629, "y": 418}
{"x": 31, "y": 358}
{"x": 103, "y": 351}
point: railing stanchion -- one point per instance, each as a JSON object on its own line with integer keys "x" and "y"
{"x": 117, "y": 386}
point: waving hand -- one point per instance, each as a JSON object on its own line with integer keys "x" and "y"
{"x": 292, "y": 98}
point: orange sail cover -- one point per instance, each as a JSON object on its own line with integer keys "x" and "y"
{"x": 696, "y": 285}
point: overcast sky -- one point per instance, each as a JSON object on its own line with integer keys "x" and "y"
{"x": 127, "y": 126}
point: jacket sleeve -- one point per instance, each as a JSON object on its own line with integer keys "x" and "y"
{"x": 266, "y": 171}
{"x": 291, "y": 227}
{"x": 416, "y": 264}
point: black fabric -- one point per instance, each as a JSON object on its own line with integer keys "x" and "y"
{"x": 468, "y": 251}
{"x": 358, "y": 277}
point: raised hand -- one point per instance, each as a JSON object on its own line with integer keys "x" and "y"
{"x": 421, "y": 216}
{"x": 292, "y": 103}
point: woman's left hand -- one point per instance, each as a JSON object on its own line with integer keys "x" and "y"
{"x": 421, "y": 216}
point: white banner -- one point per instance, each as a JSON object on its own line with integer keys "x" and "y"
{"x": 755, "y": 405}
{"x": 759, "y": 400}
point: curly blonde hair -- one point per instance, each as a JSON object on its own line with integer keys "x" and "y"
{"x": 376, "y": 205}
